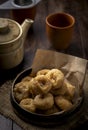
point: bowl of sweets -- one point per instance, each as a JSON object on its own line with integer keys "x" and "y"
{"x": 44, "y": 98}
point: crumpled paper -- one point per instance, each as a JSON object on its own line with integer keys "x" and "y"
{"x": 74, "y": 68}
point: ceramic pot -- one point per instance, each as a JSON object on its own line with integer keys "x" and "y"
{"x": 12, "y": 37}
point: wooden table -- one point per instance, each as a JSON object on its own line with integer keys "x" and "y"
{"x": 37, "y": 38}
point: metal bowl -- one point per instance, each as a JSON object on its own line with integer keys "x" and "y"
{"x": 40, "y": 119}
{"x": 18, "y": 4}
{"x": 20, "y": 9}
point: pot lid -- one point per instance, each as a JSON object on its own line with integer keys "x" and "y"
{"x": 9, "y": 30}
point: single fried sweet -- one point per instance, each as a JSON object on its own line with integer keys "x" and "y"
{"x": 43, "y": 72}
{"x": 43, "y": 84}
{"x": 28, "y": 104}
{"x": 21, "y": 90}
{"x": 59, "y": 91}
{"x": 63, "y": 103}
{"x": 44, "y": 102}
{"x": 52, "y": 110}
{"x": 33, "y": 87}
{"x": 56, "y": 77}
{"x": 70, "y": 90}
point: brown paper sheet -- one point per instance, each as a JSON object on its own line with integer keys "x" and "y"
{"x": 74, "y": 68}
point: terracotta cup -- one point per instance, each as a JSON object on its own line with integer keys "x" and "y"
{"x": 59, "y": 29}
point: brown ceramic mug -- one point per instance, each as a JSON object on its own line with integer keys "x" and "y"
{"x": 59, "y": 29}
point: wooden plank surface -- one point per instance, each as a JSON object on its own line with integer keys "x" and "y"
{"x": 37, "y": 37}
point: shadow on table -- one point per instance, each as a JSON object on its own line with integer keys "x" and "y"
{"x": 10, "y": 74}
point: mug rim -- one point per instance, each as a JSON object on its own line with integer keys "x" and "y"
{"x": 61, "y": 13}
